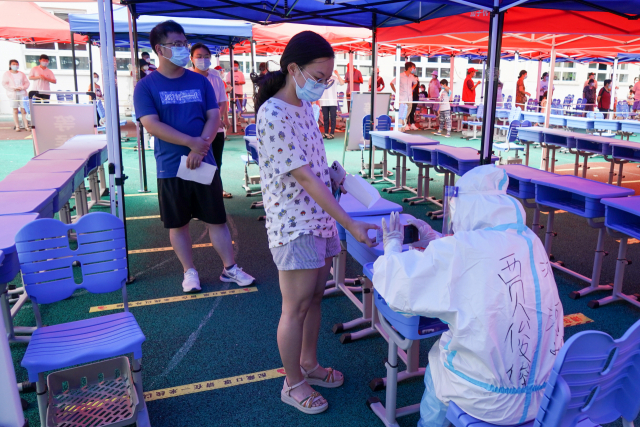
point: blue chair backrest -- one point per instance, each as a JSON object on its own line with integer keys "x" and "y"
{"x": 46, "y": 259}
{"x": 525, "y": 124}
{"x": 366, "y": 127}
{"x": 101, "y": 110}
{"x": 556, "y": 107}
{"x": 580, "y": 104}
{"x": 384, "y": 122}
{"x": 513, "y": 131}
{"x": 594, "y": 377}
{"x": 623, "y": 109}
{"x": 68, "y": 97}
{"x": 480, "y": 113}
{"x": 250, "y": 130}
{"x": 456, "y": 99}
{"x": 508, "y": 105}
{"x": 340, "y": 100}
{"x": 514, "y": 114}
{"x": 509, "y": 98}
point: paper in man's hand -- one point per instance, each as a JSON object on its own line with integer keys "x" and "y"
{"x": 202, "y": 175}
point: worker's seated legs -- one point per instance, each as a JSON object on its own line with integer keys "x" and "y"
{"x": 433, "y": 413}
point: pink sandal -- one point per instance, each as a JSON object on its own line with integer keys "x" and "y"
{"x": 329, "y": 380}
{"x": 306, "y": 404}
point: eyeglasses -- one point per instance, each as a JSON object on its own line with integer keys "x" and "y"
{"x": 318, "y": 83}
{"x": 177, "y": 44}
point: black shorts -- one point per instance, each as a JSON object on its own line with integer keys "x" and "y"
{"x": 182, "y": 200}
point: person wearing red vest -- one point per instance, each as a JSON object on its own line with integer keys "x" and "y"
{"x": 469, "y": 88}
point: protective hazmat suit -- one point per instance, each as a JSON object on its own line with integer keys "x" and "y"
{"x": 492, "y": 283}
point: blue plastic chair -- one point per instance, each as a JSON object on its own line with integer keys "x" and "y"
{"x": 251, "y": 158}
{"x": 580, "y": 106}
{"x": 595, "y": 380}
{"x": 46, "y": 262}
{"x": 509, "y": 99}
{"x": 475, "y": 124}
{"x": 556, "y": 107}
{"x": 384, "y": 123}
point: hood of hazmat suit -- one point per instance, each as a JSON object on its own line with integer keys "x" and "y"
{"x": 492, "y": 283}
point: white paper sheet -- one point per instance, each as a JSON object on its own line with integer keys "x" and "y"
{"x": 361, "y": 190}
{"x": 202, "y": 175}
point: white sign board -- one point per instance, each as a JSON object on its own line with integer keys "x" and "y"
{"x": 360, "y": 107}
{"x": 55, "y": 124}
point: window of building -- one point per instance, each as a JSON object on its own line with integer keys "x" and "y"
{"x": 445, "y": 73}
{"x": 67, "y": 46}
{"x": 415, "y": 59}
{"x": 122, "y": 49}
{"x": 569, "y": 76}
{"x": 428, "y": 71}
{"x": 365, "y": 57}
{"x": 593, "y": 65}
{"x": 623, "y": 78}
{"x": 225, "y": 65}
{"x": 419, "y": 71}
{"x": 602, "y": 67}
{"x": 122, "y": 64}
{"x": 623, "y": 66}
{"x": 34, "y": 60}
{"x": 365, "y": 70}
{"x": 445, "y": 60}
{"x": 66, "y": 63}
{"x": 39, "y": 46}
{"x": 342, "y": 69}
{"x": 432, "y": 60}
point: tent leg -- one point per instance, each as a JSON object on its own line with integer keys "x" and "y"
{"x": 495, "y": 46}
{"x": 142, "y": 159}
{"x": 90, "y": 47}
{"x": 233, "y": 101}
{"x": 75, "y": 67}
{"x": 374, "y": 89}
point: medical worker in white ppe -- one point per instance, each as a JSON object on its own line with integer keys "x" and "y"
{"x": 492, "y": 283}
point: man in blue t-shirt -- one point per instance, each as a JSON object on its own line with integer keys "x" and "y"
{"x": 179, "y": 108}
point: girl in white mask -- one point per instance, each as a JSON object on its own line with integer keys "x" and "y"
{"x": 201, "y": 61}
{"x": 16, "y": 84}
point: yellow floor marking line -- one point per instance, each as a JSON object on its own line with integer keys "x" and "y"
{"x": 142, "y": 217}
{"x": 166, "y": 393}
{"x": 140, "y": 194}
{"x": 29, "y": 137}
{"x": 167, "y": 300}
{"x": 630, "y": 241}
{"x": 576, "y": 319}
{"x": 558, "y": 212}
{"x": 168, "y": 248}
{"x": 129, "y": 148}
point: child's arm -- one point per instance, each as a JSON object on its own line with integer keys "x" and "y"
{"x": 322, "y": 196}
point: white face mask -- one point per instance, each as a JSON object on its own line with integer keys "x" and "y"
{"x": 44, "y": 63}
{"x": 145, "y": 67}
{"x": 202, "y": 64}
{"x": 95, "y": 80}
{"x": 236, "y": 68}
{"x": 14, "y": 67}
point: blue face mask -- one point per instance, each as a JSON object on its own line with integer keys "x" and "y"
{"x": 311, "y": 91}
{"x": 179, "y": 56}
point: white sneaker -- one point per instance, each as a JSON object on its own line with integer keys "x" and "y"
{"x": 236, "y": 275}
{"x": 414, "y": 127}
{"x": 191, "y": 282}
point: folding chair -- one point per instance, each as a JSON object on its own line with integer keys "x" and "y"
{"x": 46, "y": 261}
{"x": 580, "y": 107}
{"x": 384, "y": 124}
{"x": 595, "y": 380}
{"x": 475, "y": 124}
{"x": 512, "y": 137}
{"x": 248, "y": 159}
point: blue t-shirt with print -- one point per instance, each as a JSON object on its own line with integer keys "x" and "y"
{"x": 181, "y": 103}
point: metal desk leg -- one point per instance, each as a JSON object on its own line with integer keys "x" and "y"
{"x": 338, "y": 271}
{"x": 385, "y": 171}
{"x": 585, "y": 166}
{"x": 611, "y": 170}
{"x": 621, "y": 264}
{"x": 398, "y": 184}
{"x": 369, "y": 316}
{"x": 620, "y": 176}
{"x": 8, "y": 313}
{"x": 549, "y": 234}
{"x": 11, "y": 415}
{"x": 103, "y": 181}
{"x": 577, "y": 164}
{"x": 553, "y": 159}
{"x": 389, "y": 413}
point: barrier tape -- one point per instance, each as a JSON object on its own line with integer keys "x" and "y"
{"x": 576, "y": 319}
{"x": 558, "y": 212}
{"x": 166, "y": 393}
{"x": 630, "y": 241}
{"x": 142, "y": 217}
{"x": 140, "y": 194}
{"x": 167, "y": 300}
{"x": 168, "y": 248}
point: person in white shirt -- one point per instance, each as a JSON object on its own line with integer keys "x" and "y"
{"x": 238, "y": 85}
{"x": 404, "y": 92}
{"x": 42, "y": 77}
{"x": 434, "y": 90}
{"x": 445, "y": 108}
{"x": 16, "y": 84}
{"x": 329, "y": 105}
{"x": 201, "y": 60}
{"x": 544, "y": 86}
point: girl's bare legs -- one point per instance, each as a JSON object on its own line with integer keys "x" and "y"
{"x": 15, "y": 118}
{"x": 298, "y": 289}
{"x": 25, "y": 121}
{"x": 308, "y": 357}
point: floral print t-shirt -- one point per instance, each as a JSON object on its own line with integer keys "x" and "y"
{"x": 288, "y": 138}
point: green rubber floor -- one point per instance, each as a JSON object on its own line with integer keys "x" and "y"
{"x": 204, "y": 340}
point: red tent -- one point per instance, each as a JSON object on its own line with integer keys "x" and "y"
{"x": 26, "y": 22}
{"x": 524, "y": 29}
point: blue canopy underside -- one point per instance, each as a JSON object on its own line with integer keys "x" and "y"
{"x": 388, "y": 13}
{"x": 212, "y": 32}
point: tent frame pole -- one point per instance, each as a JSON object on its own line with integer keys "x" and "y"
{"x": 614, "y": 77}
{"x": 496, "y": 24}
{"x": 90, "y": 47}
{"x": 538, "y": 94}
{"x": 374, "y": 89}
{"x": 484, "y": 66}
{"x": 75, "y": 68}
{"x": 232, "y": 82}
{"x": 254, "y": 67}
{"x": 397, "y": 91}
{"x": 142, "y": 158}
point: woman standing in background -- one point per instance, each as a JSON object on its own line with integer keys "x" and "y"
{"x": 16, "y": 83}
